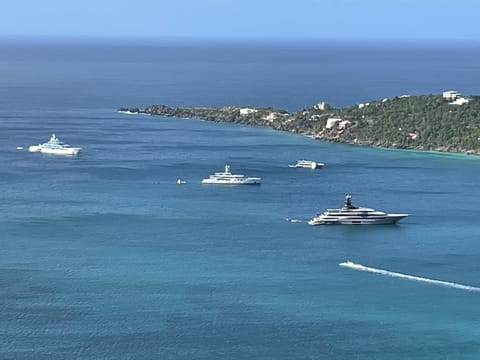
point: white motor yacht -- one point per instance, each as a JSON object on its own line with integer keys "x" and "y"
{"x": 307, "y": 164}
{"x": 227, "y": 178}
{"x": 353, "y": 215}
{"x": 55, "y": 146}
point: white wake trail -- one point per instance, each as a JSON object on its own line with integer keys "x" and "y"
{"x": 360, "y": 267}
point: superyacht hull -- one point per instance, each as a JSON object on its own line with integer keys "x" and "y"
{"x": 64, "y": 151}
{"x": 385, "y": 220}
{"x": 227, "y": 182}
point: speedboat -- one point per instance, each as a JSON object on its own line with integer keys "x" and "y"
{"x": 307, "y": 164}
{"x": 227, "y": 178}
{"x": 55, "y": 146}
{"x": 353, "y": 215}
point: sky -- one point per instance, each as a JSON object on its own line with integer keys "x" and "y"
{"x": 243, "y": 19}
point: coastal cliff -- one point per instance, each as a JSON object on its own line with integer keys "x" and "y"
{"x": 427, "y": 122}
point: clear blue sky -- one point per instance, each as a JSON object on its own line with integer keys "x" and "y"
{"x": 309, "y": 19}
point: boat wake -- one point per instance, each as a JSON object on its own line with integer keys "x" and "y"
{"x": 360, "y": 267}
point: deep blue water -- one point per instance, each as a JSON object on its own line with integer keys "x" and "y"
{"x": 104, "y": 256}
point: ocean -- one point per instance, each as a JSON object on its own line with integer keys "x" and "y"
{"x": 105, "y": 256}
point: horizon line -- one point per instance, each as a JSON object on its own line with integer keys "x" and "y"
{"x": 220, "y": 40}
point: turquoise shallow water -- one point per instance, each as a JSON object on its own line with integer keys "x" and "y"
{"x": 104, "y": 256}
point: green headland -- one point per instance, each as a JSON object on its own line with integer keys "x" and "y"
{"x": 448, "y": 122}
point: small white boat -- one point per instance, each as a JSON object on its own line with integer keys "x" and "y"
{"x": 307, "y": 164}
{"x": 353, "y": 215}
{"x": 180, "y": 181}
{"x": 227, "y": 178}
{"x": 55, "y": 146}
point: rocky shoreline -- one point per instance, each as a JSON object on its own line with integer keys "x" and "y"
{"x": 320, "y": 122}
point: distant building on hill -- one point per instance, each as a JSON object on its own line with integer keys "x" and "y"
{"x": 321, "y": 106}
{"x": 272, "y": 116}
{"x": 342, "y": 125}
{"x": 459, "y": 101}
{"x": 331, "y": 122}
{"x": 450, "y": 95}
{"x": 455, "y": 98}
{"x": 247, "y": 111}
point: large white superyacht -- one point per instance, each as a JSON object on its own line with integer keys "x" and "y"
{"x": 55, "y": 146}
{"x": 353, "y": 215}
{"x": 227, "y": 178}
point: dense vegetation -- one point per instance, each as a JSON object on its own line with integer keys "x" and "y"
{"x": 437, "y": 125}
{"x": 425, "y": 122}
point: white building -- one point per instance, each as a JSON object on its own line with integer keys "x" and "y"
{"x": 272, "y": 116}
{"x": 459, "y": 101}
{"x": 321, "y": 106}
{"x": 413, "y": 135}
{"x": 246, "y": 111}
{"x": 315, "y": 117}
{"x": 450, "y": 95}
{"x": 331, "y": 122}
{"x": 342, "y": 125}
